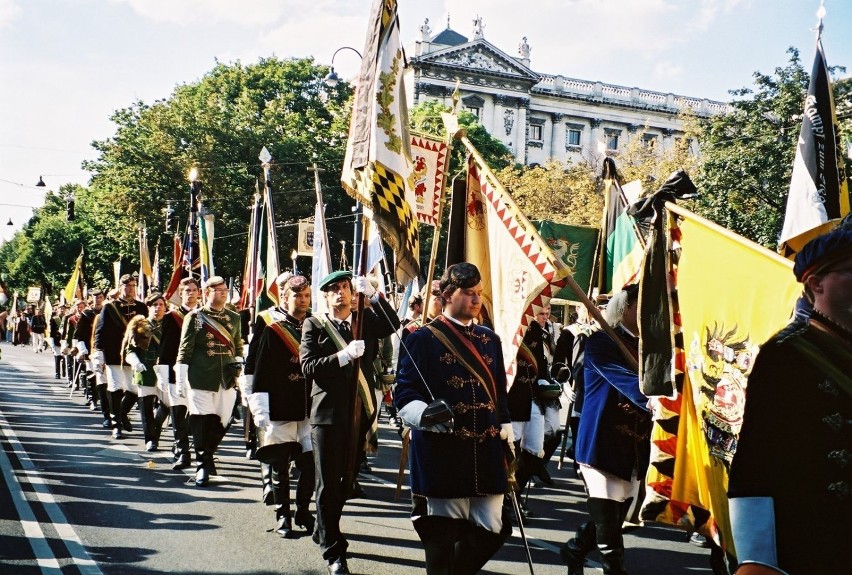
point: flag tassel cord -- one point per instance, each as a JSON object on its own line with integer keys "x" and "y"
{"x": 593, "y": 310}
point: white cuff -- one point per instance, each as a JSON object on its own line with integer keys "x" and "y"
{"x": 247, "y": 387}
{"x": 412, "y": 412}
{"x": 753, "y": 529}
{"x": 259, "y": 404}
{"x": 131, "y": 359}
{"x": 507, "y": 432}
{"x": 81, "y": 347}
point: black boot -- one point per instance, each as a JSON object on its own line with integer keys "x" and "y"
{"x": 57, "y": 362}
{"x": 479, "y": 545}
{"x": 115, "y": 400}
{"x": 441, "y": 536}
{"x": 304, "y": 490}
{"x": 183, "y": 459}
{"x": 146, "y": 413}
{"x": 200, "y": 426}
{"x": 103, "y": 396}
{"x": 266, "y": 496}
{"x": 160, "y": 416}
{"x": 92, "y": 387}
{"x": 281, "y": 495}
{"x": 574, "y": 551}
{"x": 551, "y": 444}
{"x": 217, "y": 434}
{"x": 607, "y": 515}
{"x": 127, "y": 403}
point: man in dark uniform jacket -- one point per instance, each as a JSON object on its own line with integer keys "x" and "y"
{"x": 458, "y": 467}
{"x": 327, "y": 353}
{"x": 172, "y": 326}
{"x": 56, "y": 339}
{"x": 790, "y": 486}
{"x": 280, "y": 400}
{"x": 84, "y": 334}
{"x": 109, "y": 333}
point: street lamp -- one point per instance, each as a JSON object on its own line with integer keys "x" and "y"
{"x": 293, "y": 255}
{"x": 9, "y": 223}
{"x": 40, "y": 183}
{"x": 332, "y": 79}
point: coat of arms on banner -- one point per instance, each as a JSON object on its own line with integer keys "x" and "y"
{"x": 429, "y": 159}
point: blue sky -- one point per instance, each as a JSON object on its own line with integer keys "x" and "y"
{"x": 65, "y": 65}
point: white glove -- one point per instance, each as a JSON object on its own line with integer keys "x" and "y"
{"x": 570, "y": 394}
{"x": 97, "y": 360}
{"x": 62, "y": 346}
{"x": 350, "y": 352}
{"x": 413, "y": 411}
{"x": 363, "y": 285}
{"x": 507, "y": 432}
{"x": 181, "y": 375}
{"x": 258, "y": 403}
{"x": 238, "y": 359}
{"x": 81, "y": 347}
{"x": 133, "y": 361}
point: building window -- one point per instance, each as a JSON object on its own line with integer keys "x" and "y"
{"x": 535, "y": 133}
{"x": 573, "y": 136}
{"x": 473, "y": 110}
{"x": 612, "y": 139}
{"x": 649, "y": 141}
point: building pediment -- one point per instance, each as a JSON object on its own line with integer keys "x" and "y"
{"x": 477, "y": 56}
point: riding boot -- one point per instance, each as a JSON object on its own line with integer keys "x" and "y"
{"x": 551, "y": 443}
{"x": 183, "y": 459}
{"x": 115, "y": 400}
{"x": 200, "y": 426}
{"x": 92, "y": 390}
{"x": 574, "y": 551}
{"x": 127, "y": 403}
{"x": 607, "y": 515}
{"x": 441, "y": 536}
{"x": 104, "y": 400}
{"x": 479, "y": 545}
{"x": 304, "y": 491}
{"x": 57, "y": 363}
{"x": 146, "y": 415}
{"x": 160, "y": 416}
{"x": 217, "y": 434}
{"x": 281, "y": 495}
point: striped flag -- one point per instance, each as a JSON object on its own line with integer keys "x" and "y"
{"x": 378, "y": 151}
{"x": 819, "y": 194}
{"x": 621, "y": 243}
{"x": 205, "y": 244}
{"x": 321, "y": 264}
{"x": 249, "y": 281}
{"x": 146, "y": 271}
{"x": 267, "y": 256}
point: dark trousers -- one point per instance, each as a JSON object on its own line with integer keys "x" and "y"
{"x": 328, "y": 442}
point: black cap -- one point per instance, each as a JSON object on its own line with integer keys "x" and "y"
{"x": 823, "y": 252}
{"x": 461, "y": 275}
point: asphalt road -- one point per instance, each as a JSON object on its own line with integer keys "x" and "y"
{"x": 73, "y": 500}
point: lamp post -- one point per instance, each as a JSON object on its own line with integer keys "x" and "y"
{"x": 293, "y": 255}
{"x": 332, "y": 79}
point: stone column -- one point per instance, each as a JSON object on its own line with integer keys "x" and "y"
{"x": 521, "y": 129}
{"x": 594, "y": 135}
{"x": 557, "y": 136}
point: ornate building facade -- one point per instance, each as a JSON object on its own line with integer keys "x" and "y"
{"x": 542, "y": 116}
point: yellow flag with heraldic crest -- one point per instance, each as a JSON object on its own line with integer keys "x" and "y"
{"x": 732, "y": 295}
{"x": 377, "y": 165}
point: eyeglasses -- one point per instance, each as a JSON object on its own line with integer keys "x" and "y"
{"x": 220, "y": 290}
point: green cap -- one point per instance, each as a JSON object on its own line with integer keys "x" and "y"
{"x": 334, "y": 277}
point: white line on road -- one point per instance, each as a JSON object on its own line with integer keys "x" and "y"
{"x": 67, "y": 535}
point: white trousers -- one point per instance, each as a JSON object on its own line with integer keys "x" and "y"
{"x": 289, "y": 432}
{"x": 120, "y": 378}
{"x": 219, "y": 403}
{"x": 485, "y": 512}
{"x": 38, "y": 341}
{"x": 168, "y": 391}
{"x": 531, "y": 433}
{"x": 145, "y": 391}
{"x": 551, "y": 420}
{"x": 603, "y": 485}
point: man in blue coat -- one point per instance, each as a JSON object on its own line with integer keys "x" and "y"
{"x": 451, "y": 391}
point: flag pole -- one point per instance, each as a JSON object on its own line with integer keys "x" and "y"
{"x": 593, "y": 310}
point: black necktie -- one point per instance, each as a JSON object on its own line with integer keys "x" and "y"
{"x": 344, "y": 330}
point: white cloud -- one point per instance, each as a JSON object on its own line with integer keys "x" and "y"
{"x": 193, "y": 12}
{"x": 709, "y": 10}
{"x": 667, "y": 70}
{"x": 9, "y": 11}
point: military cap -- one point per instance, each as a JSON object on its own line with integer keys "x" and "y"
{"x": 95, "y": 291}
{"x": 334, "y": 277}
{"x": 823, "y": 252}
{"x": 461, "y": 275}
{"x": 214, "y": 281}
{"x": 126, "y": 279}
{"x": 152, "y": 299}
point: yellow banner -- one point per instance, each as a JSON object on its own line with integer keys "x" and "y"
{"x": 733, "y": 295}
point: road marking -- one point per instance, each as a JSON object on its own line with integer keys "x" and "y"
{"x": 76, "y": 550}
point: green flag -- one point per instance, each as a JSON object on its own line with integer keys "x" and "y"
{"x": 575, "y": 245}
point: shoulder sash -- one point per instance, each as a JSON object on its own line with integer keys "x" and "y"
{"x": 464, "y": 352}
{"x": 287, "y": 336}
{"x": 116, "y": 315}
{"x": 178, "y": 315}
{"x": 365, "y": 391}
{"x": 217, "y": 329}
{"x": 526, "y": 354}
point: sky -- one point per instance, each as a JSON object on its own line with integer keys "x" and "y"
{"x": 66, "y": 65}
